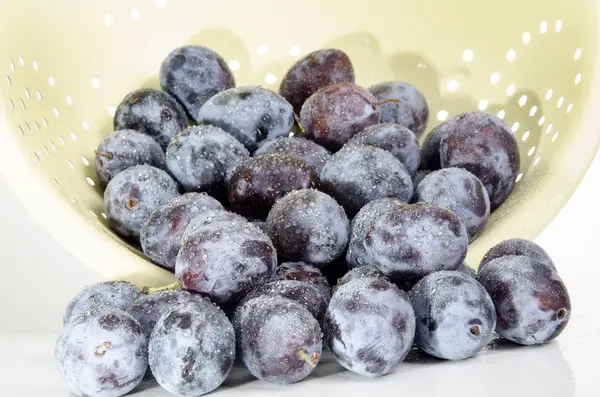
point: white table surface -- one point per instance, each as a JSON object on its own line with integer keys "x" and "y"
{"x": 39, "y": 278}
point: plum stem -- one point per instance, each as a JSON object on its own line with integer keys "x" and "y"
{"x": 389, "y": 100}
{"x": 172, "y": 286}
{"x": 108, "y": 155}
{"x": 102, "y": 349}
{"x": 299, "y": 123}
{"x": 311, "y": 360}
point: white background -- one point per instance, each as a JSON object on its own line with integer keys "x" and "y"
{"x": 39, "y": 278}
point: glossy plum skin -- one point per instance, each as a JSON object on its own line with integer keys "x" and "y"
{"x": 359, "y": 174}
{"x": 412, "y": 241}
{"x": 192, "y": 349}
{"x": 369, "y": 326}
{"x": 308, "y": 151}
{"x": 532, "y": 303}
{"x": 260, "y": 181}
{"x": 308, "y": 225}
{"x": 458, "y": 191}
{"x": 430, "y": 150}
{"x": 314, "y": 71}
{"x": 124, "y": 149}
{"x": 301, "y": 271}
{"x": 102, "y": 352}
{"x": 298, "y": 291}
{"x": 455, "y": 315}
{"x": 202, "y": 158}
{"x": 517, "y": 246}
{"x": 152, "y": 112}
{"x": 193, "y": 75}
{"x": 279, "y": 341}
{"x": 117, "y": 294}
{"x": 483, "y": 145}
{"x": 148, "y": 309}
{"x": 219, "y": 216}
{"x": 336, "y": 113}
{"x": 225, "y": 264}
{"x": 407, "y": 105}
{"x": 133, "y": 195}
{"x": 252, "y": 115}
{"x": 396, "y": 139}
{"x": 356, "y": 254}
{"x": 161, "y": 236}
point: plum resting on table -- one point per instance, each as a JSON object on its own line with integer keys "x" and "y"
{"x": 278, "y": 340}
{"x": 532, "y": 303}
{"x": 192, "y": 349}
{"x": 102, "y": 352}
{"x": 316, "y": 70}
{"x": 193, "y": 75}
{"x": 369, "y": 326}
{"x": 455, "y": 315}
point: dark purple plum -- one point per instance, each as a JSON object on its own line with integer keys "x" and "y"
{"x": 221, "y": 217}
{"x": 430, "y": 150}
{"x": 225, "y": 264}
{"x": 356, "y": 254}
{"x": 124, "y": 149}
{"x": 369, "y": 326}
{"x": 517, "y": 246}
{"x": 148, "y": 309}
{"x": 278, "y": 340}
{"x": 202, "y": 158}
{"x": 301, "y": 271}
{"x": 262, "y": 225}
{"x": 102, "y": 352}
{"x": 308, "y": 225}
{"x": 415, "y": 240}
{"x": 396, "y": 139}
{"x": 359, "y": 174}
{"x": 260, "y": 181}
{"x": 151, "y": 112}
{"x": 192, "y": 349}
{"x": 162, "y": 234}
{"x": 133, "y": 195}
{"x": 405, "y": 105}
{"x": 459, "y": 191}
{"x": 360, "y": 272}
{"x": 193, "y": 75}
{"x": 336, "y": 113}
{"x": 313, "y": 154}
{"x": 484, "y": 145}
{"x": 253, "y": 115}
{"x": 316, "y": 70}
{"x": 298, "y": 291}
{"x": 532, "y": 302}
{"x": 455, "y": 315}
{"x": 117, "y": 294}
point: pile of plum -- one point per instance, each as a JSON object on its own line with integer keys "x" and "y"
{"x": 260, "y": 202}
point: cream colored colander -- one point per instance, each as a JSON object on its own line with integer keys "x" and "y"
{"x": 66, "y": 64}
